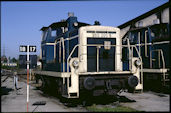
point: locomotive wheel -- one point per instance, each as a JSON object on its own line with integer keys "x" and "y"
{"x": 40, "y": 83}
{"x": 59, "y": 87}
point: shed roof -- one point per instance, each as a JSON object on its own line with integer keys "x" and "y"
{"x": 155, "y": 10}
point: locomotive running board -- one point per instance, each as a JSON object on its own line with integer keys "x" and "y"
{"x": 109, "y": 72}
{"x": 155, "y": 70}
{"x": 52, "y": 73}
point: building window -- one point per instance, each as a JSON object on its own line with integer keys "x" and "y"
{"x": 156, "y": 21}
{"x": 158, "y": 14}
{"x": 140, "y": 24}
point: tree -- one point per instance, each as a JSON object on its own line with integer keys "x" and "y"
{"x": 5, "y": 60}
{"x": 97, "y": 23}
{"x": 9, "y": 58}
{"x": 14, "y": 60}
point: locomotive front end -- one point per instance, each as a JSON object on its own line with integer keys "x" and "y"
{"x": 98, "y": 69}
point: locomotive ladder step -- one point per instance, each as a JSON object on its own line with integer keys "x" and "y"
{"x": 166, "y": 76}
{"x": 166, "y": 85}
{"x": 166, "y": 80}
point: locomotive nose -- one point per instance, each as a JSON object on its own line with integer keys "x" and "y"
{"x": 89, "y": 83}
{"x": 133, "y": 81}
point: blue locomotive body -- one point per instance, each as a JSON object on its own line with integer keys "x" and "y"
{"x": 153, "y": 43}
{"x": 51, "y": 59}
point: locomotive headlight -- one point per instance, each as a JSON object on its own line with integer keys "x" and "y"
{"x": 75, "y": 63}
{"x": 137, "y": 63}
{"x": 75, "y": 24}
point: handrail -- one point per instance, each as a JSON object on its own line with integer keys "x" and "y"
{"x": 141, "y": 63}
{"x": 137, "y": 52}
{"x": 146, "y": 43}
{"x": 74, "y": 50}
{"x": 70, "y": 56}
{"x": 154, "y": 43}
{"x": 131, "y": 55}
{"x": 63, "y": 46}
{"x": 161, "y": 52}
{"x": 129, "y": 48}
{"x": 97, "y": 45}
{"x": 163, "y": 59}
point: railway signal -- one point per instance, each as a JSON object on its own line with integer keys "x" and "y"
{"x": 28, "y": 48}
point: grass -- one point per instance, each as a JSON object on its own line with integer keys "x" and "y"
{"x": 119, "y": 108}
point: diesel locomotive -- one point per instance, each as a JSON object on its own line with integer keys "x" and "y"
{"x": 153, "y": 44}
{"x": 78, "y": 58}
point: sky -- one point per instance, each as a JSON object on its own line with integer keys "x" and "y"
{"x": 21, "y": 21}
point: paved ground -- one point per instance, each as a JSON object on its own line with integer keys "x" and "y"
{"x": 16, "y": 102}
{"x": 148, "y": 101}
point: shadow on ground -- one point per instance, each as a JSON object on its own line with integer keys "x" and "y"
{"x": 100, "y": 100}
{"x": 86, "y": 100}
{"x": 125, "y": 99}
{"x": 5, "y": 90}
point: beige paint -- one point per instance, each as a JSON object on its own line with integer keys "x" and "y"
{"x": 83, "y": 44}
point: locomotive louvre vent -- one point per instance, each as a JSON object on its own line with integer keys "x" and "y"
{"x": 101, "y": 31}
{"x": 90, "y": 31}
{"x": 110, "y": 32}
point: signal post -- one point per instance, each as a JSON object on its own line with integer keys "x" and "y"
{"x": 27, "y": 49}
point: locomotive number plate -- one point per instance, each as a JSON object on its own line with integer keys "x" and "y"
{"x": 102, "y": 35}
